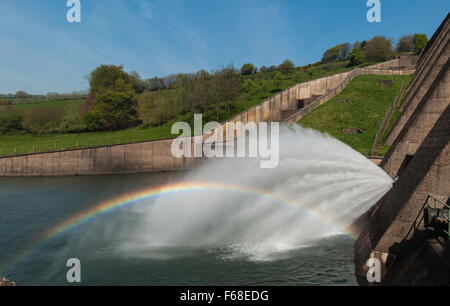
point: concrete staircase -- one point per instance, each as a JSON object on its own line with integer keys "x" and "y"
{"x": 378, "y": 142}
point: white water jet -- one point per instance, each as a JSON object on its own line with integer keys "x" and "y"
{"x": 317, "y": 171}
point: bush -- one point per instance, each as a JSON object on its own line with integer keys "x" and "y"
{"x": 10, "y": 121}
{"x": 43, "y": 120}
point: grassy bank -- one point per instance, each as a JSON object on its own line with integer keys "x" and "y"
{"x": 368, "y": 106}
{"x": 30, "y": 143}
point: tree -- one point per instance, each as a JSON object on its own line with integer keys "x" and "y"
{"x": 334, "y": 54}
{"x": 363, "y": 45}
{"x": 356, "y": 57}
{"x": 228, "y": 85}
{"x": 264, "y": 69}
{"x": 277, "y": 80}
{"x": 115, "y": 105}
{"x": 287, "y": 67}
{"x": 155, "y": 84}
{"x": 357, "y": 44}
{"x": 155, "y": 108}
{"x": 248, "y": 69}
{"x": 345, "y": 51}
{"x": 22, "y": 94}
{"x": 405, "y": 44}
{"x": 419, "y": 41}
{"x": 138, "y": 84}
{"x": 378, "y": 49}
{"x": 105, "y": 77}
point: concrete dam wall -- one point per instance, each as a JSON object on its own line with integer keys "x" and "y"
{"x": 286, "y": 107}
{"x": 394, "y": 231}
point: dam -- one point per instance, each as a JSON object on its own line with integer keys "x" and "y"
{"x": 395, "y": 230}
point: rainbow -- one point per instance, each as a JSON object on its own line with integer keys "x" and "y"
{"x": 130, "y": 199}
{"x": 116, "y": 203}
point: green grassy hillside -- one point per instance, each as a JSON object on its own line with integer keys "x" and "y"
{"x": 369, "y": 104}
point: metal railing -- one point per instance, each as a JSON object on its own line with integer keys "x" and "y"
{"x": 433, "y": 203}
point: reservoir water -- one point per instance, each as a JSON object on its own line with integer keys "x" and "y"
{"x": 227, "y": 223}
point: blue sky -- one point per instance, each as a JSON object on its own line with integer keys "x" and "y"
{"x": 41, "y": 52}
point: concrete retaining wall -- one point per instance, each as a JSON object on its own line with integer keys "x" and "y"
{"x": 152, "y": 156}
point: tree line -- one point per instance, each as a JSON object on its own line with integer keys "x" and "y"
{"x": 378, "y": 49}
{"x": 119, "y": 100}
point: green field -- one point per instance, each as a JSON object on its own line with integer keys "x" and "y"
{"x": 369, "y": 104}
{"x": 258, "y": 87}
{"x": 64, "y": 104}
{"x": 68, "y": 107}
{"x": 29, "y": 143}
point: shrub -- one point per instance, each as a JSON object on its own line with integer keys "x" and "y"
{"x": 10, "y": 121}
{"x": 43, "y": 120}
